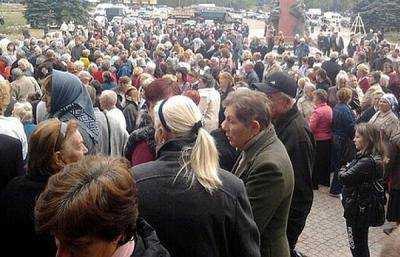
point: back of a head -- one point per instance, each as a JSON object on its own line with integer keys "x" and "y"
{"x": 180, "y": 116}
{"x": 23, "y": 110}
{"x": 344, "y": 95}
{"x": 17, "y": 73}
{"x": 159, "y": 89}
{"x": 322, "y": 95}
{"x": 108, "y": 99}
{"x": 334, "y": 55}
{"x": 95, "y": 197}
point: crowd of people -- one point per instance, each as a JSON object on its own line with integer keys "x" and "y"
{"x": 172, "y": 140}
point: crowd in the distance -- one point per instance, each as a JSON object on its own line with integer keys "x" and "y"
{"x": 172, "y": 140}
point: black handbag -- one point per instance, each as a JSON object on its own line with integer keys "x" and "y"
{"x": 373, "y": 211}
{"x": 366, "y": 206}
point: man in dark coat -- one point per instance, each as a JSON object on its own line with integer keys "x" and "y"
{"x": 76, "y": 51}
{"x": 337, "y": 42}
{"x": 131, "y": 109}
{"x": 299, "y": 142}
{"x": 11, "y": 161}
{"x": 323, "y": 43}
{"x": 331, "y": 67}
{"x": 263, "y": 165}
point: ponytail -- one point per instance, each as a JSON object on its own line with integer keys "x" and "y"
{"x": 180, "y": 116}
{"x": 204, "y": 161}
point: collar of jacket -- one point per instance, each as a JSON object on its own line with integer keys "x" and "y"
{"x": 258, "y": 143}
{"x": 175, "y": 147}
{"x": 284, "y": 121}
{"x": 253, "y": 148}
{"x": 129, "y": 101}
{"x": 147, "y": 242}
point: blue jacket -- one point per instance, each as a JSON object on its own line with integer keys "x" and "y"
{"x": 343, "y": 121}
{"x": 302, "y": 50}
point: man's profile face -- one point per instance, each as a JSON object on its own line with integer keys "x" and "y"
{"x": 237, "y": 133}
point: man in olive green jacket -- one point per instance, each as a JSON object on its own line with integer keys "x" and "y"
{"x": 264, "y": 166}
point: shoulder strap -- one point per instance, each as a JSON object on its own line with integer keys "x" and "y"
{"x": 109, "y": 134}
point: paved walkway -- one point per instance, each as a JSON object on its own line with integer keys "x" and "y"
{"x": 325, "y": 233}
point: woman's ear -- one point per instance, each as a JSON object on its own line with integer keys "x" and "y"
{"x": 58, "y": 161}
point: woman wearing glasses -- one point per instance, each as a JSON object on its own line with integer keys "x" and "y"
{"x": 51, "y": 146}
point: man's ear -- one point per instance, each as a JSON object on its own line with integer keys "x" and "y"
{"x": 255, "y": 127}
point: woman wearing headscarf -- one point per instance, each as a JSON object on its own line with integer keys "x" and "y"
{"x": 385, "y": 118}
{"x": 66, "y": 98}
{"x": 387, "y": 121}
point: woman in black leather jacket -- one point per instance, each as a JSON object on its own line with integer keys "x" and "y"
{"x": 358, "y": 179}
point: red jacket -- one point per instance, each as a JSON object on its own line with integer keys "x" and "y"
{"x": 364, "y": 84}
{"x": 321, "y": 122}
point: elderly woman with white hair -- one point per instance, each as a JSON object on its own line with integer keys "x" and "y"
{"x": 23, "y": 111}
{"x": 386, "y": 118}
{"x": 184, "y": 190}
{"x": 118, "y": 136}
{"x": 305, "y": 104}
{"x": 26, "y": 67}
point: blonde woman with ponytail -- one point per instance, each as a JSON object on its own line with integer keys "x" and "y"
{"x": 196, "y": 208}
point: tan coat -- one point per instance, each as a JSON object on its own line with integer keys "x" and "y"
{"x": 23, "y": 87}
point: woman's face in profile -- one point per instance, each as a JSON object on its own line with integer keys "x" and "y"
{"x": 74, "y": 148}
{"x": 359, "y": 141}
{"x": 384, "y": 106}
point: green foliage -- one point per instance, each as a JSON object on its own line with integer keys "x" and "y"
{"x": 41, "y": 13}
{"x": 225, "y": 3}
{"x": 331, "y": 5}
{"x": 383, "y": 14}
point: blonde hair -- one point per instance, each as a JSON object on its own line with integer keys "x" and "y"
{"x": 342, "y": 77}
{"x": 23, "y": 111}
{"x": 363, "y": 68}
{"x": 227, "y": 76}
{"x": 303, "y": 81}
{"x": 5, "y": 95}
{"x": 170, "y": 77}
{"x": 200, "y": 162}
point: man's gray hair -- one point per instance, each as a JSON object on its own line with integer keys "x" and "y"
{"x": 250, "y": 105}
